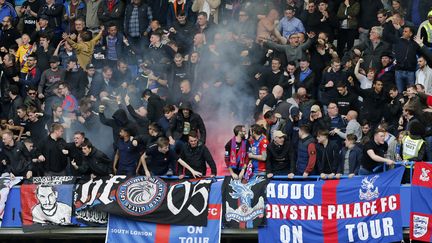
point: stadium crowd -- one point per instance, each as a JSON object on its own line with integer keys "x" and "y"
{"x": 321, "y": 87}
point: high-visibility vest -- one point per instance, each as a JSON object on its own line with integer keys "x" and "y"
{"x": 411, "y": 147}
{"x": 428, "y": 28}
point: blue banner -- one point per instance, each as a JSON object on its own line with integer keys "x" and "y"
{"x": 125, "y": 230}
{"x": 363, "y": 209}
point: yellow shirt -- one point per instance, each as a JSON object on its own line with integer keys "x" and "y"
{"x": 84, "y": 50}
{"x": 21, "y": 56}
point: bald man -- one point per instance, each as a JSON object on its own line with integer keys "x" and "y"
{"x": 301, "y": 91}
{"x": 353, "y": 127}
{"x": 277, "y": 94}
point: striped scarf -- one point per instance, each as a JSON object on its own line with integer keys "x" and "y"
{"x": 239, "y": 157}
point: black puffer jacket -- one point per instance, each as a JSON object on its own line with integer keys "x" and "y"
{"x": 96, "y": 163}
{"x": 197, "y": 158}
{"x": 280, "y": 159}
{"x": 18, "y": 159}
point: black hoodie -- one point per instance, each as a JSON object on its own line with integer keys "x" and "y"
{"x": 119, "y": 120}
{"x": 155, "y": 108}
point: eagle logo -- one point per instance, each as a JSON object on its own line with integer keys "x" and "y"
{"x": 368, "y": 190}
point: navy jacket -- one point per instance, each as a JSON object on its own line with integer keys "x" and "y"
{"x": 327, "y": 157}
{"x": 355, "y": 157}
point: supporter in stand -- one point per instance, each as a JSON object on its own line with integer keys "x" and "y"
{"x": 258, "y": 149}
{"x": 413, "y": 147}
{"x": 280, "y": 160}
{"x": 16, "y": 159}
{"x": 73, "y": 150}
{"x": 374, "y": 153}
{"x": 220, "y": 58}
{"x": 53, "y": 150}
{"x": 327, "y": 155}
{"x": 94, "y": 162}
{"x": 127, "y": 155}
{"x": 236, "y": 156}
{"x": 306, "y": 152}
{"x": 158, "y": 159}
{"x": 349, "y": 158}
{"x": 194, "y": 157}
{"x": 185, "y": 122}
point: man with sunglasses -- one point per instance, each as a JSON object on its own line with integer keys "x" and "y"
{"x": 31, "y": 99}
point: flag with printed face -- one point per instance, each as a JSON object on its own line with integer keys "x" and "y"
{"x": 361, "y": 209}
{"x": 47, "y": 203}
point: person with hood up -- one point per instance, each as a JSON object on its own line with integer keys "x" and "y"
{"x": 155, "y": 105}
{"x": 185, "y": 122}
{"x": 119, "y": 120}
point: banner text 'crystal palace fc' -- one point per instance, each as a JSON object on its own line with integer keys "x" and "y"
{"x": 361, "y": 209}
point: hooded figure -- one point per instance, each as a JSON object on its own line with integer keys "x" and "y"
{"x": 119, "y": 120}
{"x": 185, "y": 122}
{"x": 155, "y": 105}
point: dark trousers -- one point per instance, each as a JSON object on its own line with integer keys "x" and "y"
{"x": 346, "y": 38}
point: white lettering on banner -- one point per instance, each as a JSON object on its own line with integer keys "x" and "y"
{"x": 296, "y": 233}
{"x": 132, "y": 232}
{"x": 194, "y": 239}
{"x": 374, "y": 230}
{"x": 293, "y": 191}
{"x": 194, "y": 230}
{"x": 196, "y": 190}
{"x": 92, "y": 216}
{"x": 95, "y": 189}
{"x": 392, "y": 202}
{"x": 334, "y": 211}
{"x": 213, "y": 211}
{"x": 104, "y": 196}
{"x": 119, "y": 231}
{"x": 52, "y": 180}
{"x": 141, "y": 233}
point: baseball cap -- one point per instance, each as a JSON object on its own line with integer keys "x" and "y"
{"x": 54, "y": 59}
{"x": 44, "y": 16}
{"x": 90, "y": 66}
{"x": 278, "y": 133}
{"x": 315, "y": 108}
